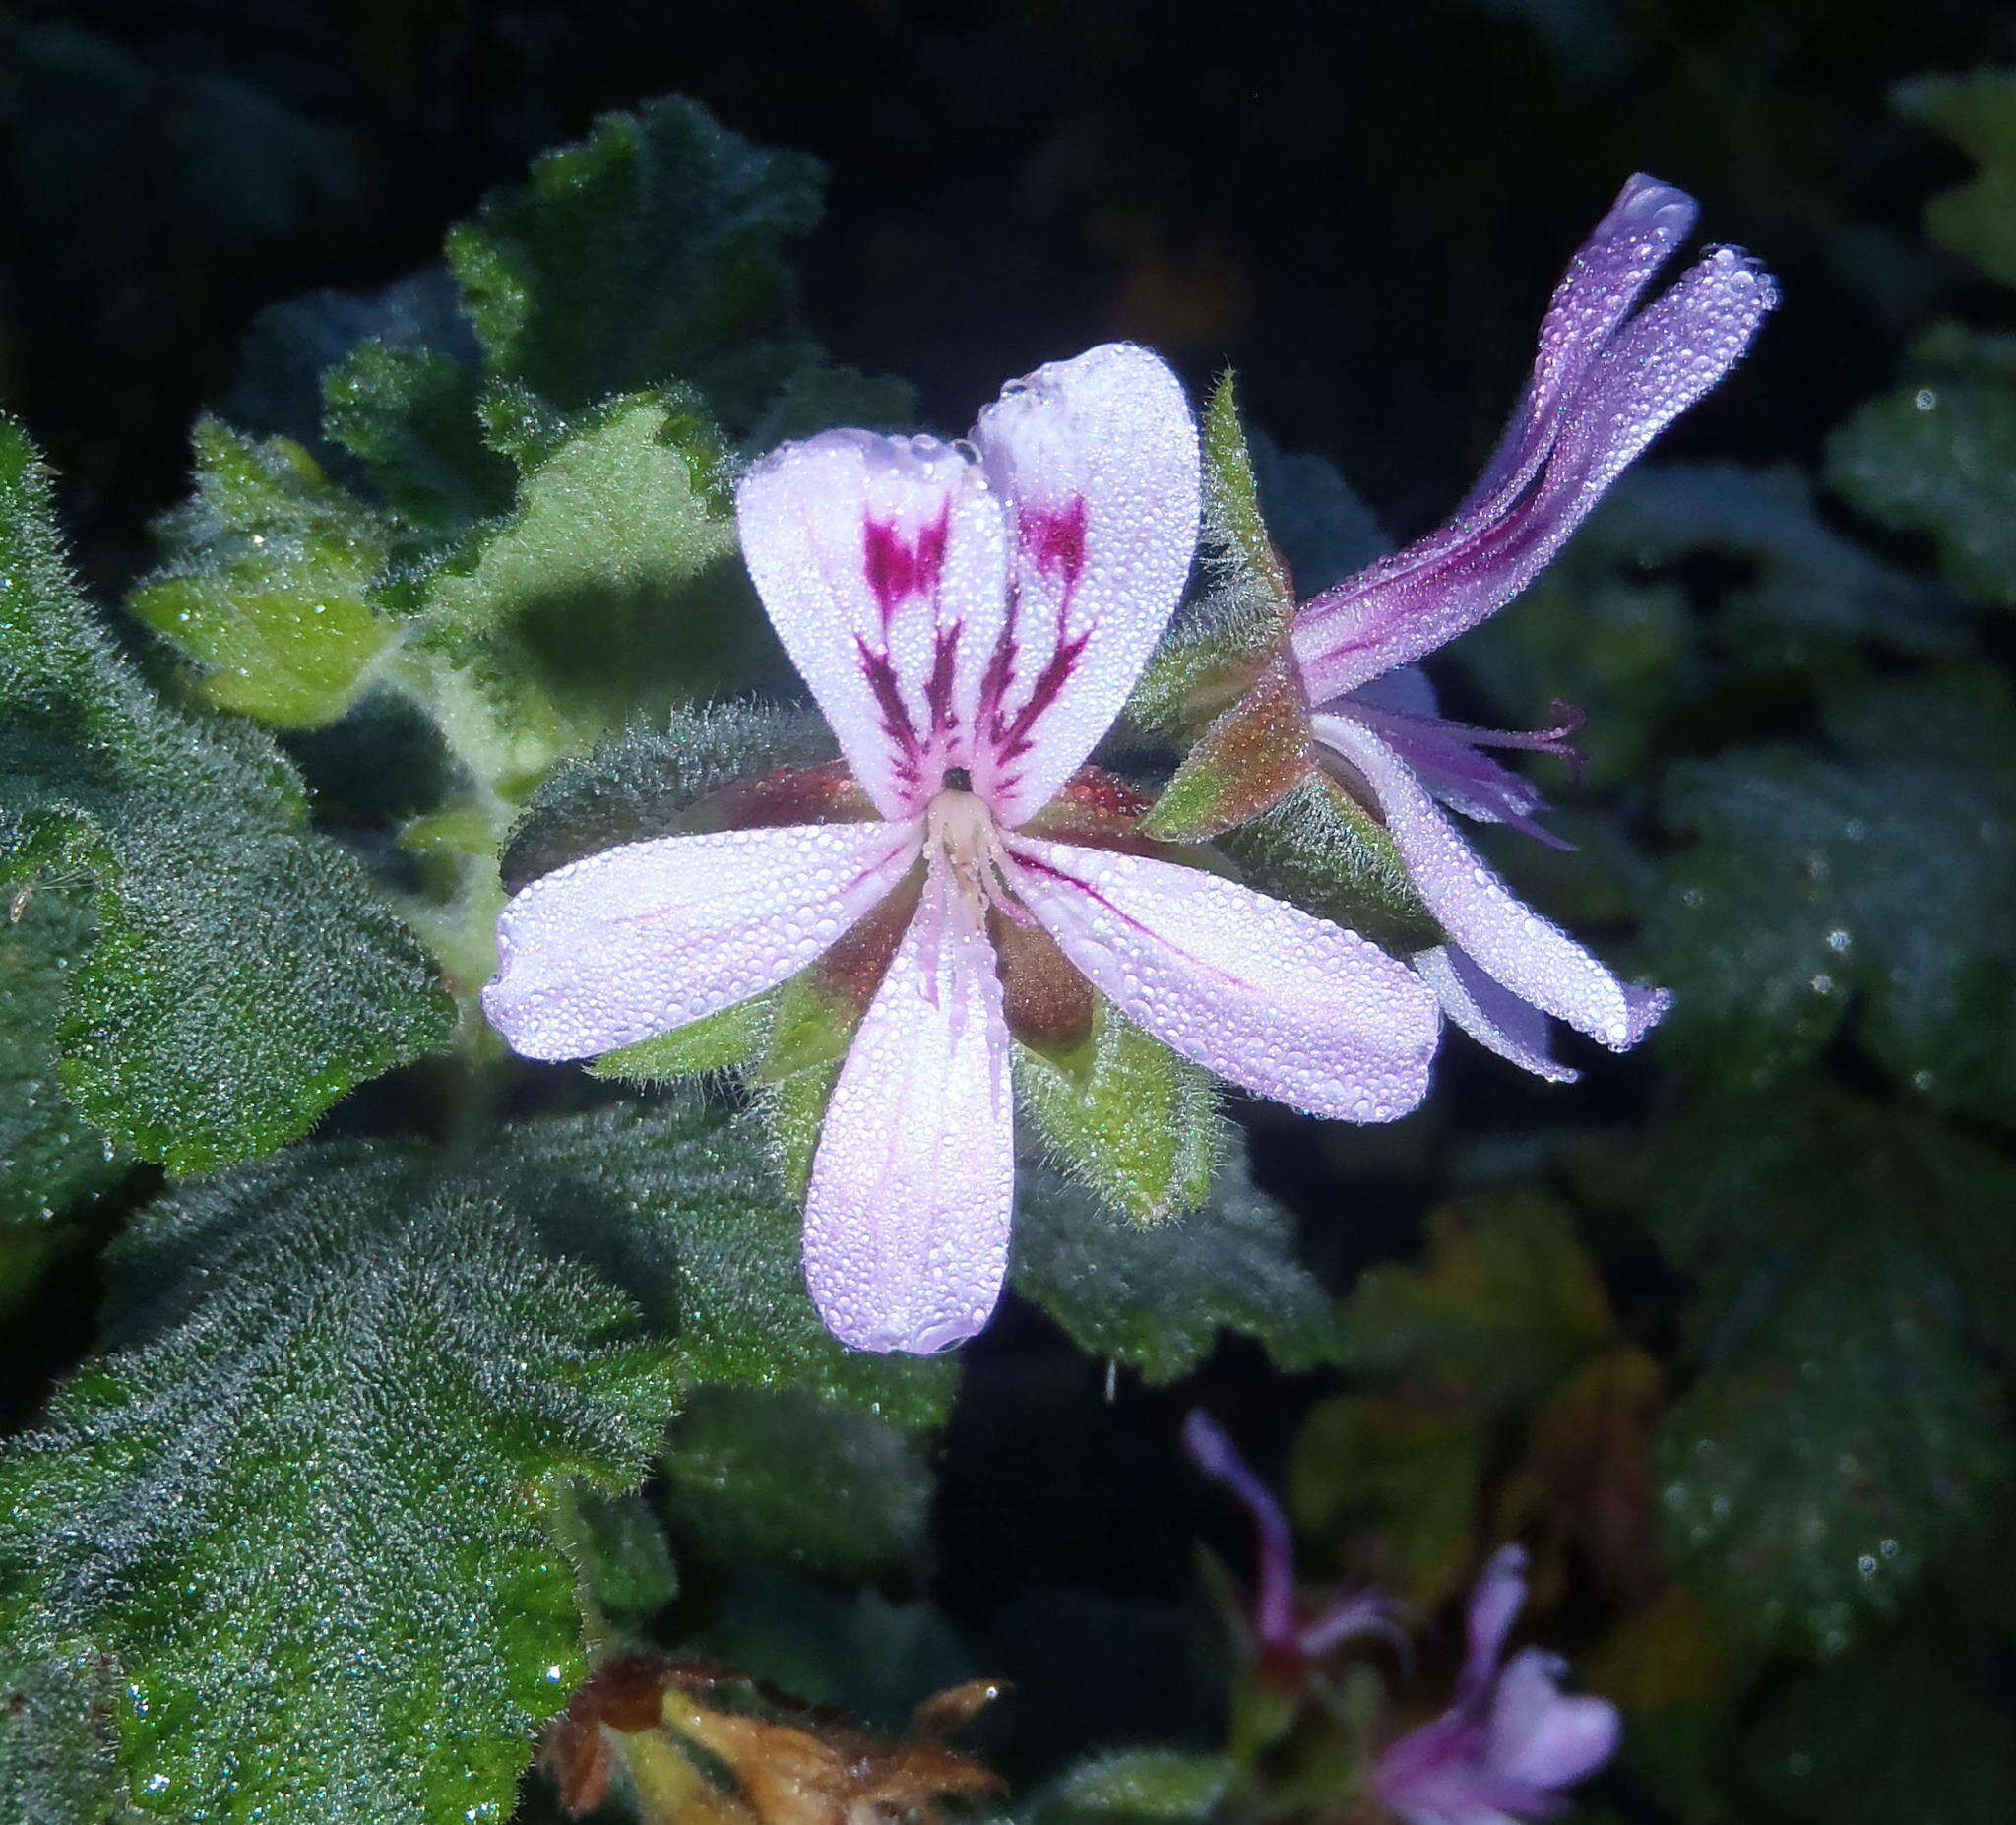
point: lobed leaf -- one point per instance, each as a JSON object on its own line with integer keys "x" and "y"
{"x": 1155, "y": 1297}
{"x": 243, "y": 975}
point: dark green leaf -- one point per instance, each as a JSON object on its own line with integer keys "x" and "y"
{"x": 299, "y": 1494}
{"x": 1885, "y": 876}
{"x": 49, "y": 1155}
{"x": 244, "y": 975}
{"x": 785, "y": 1478}
{"x": 617, "y": 1549}
{"x": 1156, "y": 1296}
{"x": 1978, "y": 112}
{"x": 58, "y": 1748}
{"x": 646, "y": 253}
{"x": 409, "y": 415}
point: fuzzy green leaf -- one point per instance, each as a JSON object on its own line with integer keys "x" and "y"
{"x": 1155, "y": 1297}
{"x": 49, "y": 1155}
{"x": 1137, "y": 1787}
{"x": 1940, "y": 456}
{"x": 1880, "y": 883}
{"x": 58, "y": 1750}
{"x": 784, "y": 1477}
{"x": 410, "y": 417}
{"x": 244, "y": 975}
{"x": 618, "y": 1548}
{"x": 1842, "y": 1428}
{"x": 267, "y": 582}
{"x": 298, "y": 1496}
{"x": 646, "y": 253}
{"x": 1139, "y": 1125}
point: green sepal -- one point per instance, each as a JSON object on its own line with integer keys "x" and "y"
{"x": 1250, "y": 758}
{"x": 267, "y": 583}
{"x": 811, "y": 1028}
{"x": 793, "y": 1109}
{"x": 1215, "y": 649}
{"x": 1317, "y": 847}
{"x": 726, "y": 1040}
{"x": 1138, "y": 1124}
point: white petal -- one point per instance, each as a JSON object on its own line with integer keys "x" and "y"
{"x": 1493, "y": 1016}
{"x": 883, "y": 564}
{"x": 639, "y": 940}
{"x": 1263, "y": 993}
{"x": 913, "y": 1184}
{"x": 1096, "y": 460}
{"x": 1512, "y": 944}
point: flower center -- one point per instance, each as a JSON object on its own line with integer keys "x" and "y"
{"x": 960, "y": 834}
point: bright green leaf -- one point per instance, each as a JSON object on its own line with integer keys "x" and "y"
{"x": 410, "y": 417}
{"x": 1155, "y": 1297}
{"x": 267, "y": 582}
{"x": 779, "y": 1477}
{"x": 244, "y": 974}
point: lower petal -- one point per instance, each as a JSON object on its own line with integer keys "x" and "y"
{"x": 640, "y": 939}
{"x": 913, "y": 1183}
{"x": 1535, "y": 960}
{"x": 1491, "y": 1015}
{"x": 1266, "y": 995}
{"x": 1543, "y": 1736}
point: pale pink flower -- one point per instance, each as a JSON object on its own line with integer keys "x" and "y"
{"x": 1512, "y": 1740}
{"x": 970, "y": 616}
{"x": 1604, "y": 383}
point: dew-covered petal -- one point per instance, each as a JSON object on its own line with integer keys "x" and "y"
{"x": 1527, "y": 955}
{"x": 1648, "y": 373}
{"x": 639, "y": 940}
{"x": 1095, "y": 460}
{"x": 1261, "y": 993}
{"x": 1542, "y": 1737}
{"x": 913, "y": 1183}
{"x": 1606, "y": 277}
{"x": 1490, "y": 1014}
{"x": 882, "y": 562}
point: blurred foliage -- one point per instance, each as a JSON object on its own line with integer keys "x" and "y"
{"x": 1723, "y": 1334}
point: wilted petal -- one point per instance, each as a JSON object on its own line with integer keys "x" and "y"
{"x": 1252, "y": 988}
{"x": 1491, "y": 1015}
{"x": 913, "y": 1183}
{"x": 1095, "y": 460}
{"x": 1536, "y": 961}
{"x": 1645, "y": 375}
{"x": 882, "y": 562}
{"x": 1541, "y": 1736}
{"x": 639, "y": 940}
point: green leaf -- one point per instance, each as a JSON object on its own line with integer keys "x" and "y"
{"x": 49, "y": 1155}
{"x": 1940, "y": 456}
{"x": 1879, "y": 884}
{"x": 244, "y": 975}
{"x": 311, "y": 1467}
{"x": 651, "y": 252}
{"x": 780, "y": 1477}
{"x": 1155, "y": 1297}
{"x": 1320, "y": 849}
{"x": 1978, "y": 112}
{"x": 615, "y": 582}
{"x": 1407, "y": 1473}
{"x": 1137, "y": 1787}
{"x": 1508, "y": 1304}
{"x": 641, "y": 784}
{"x": 1140, "y": 1126}
{"x": 1841, "y": 1430}
{"x": 58, "y": 1751}
{"x": 267, "y": 582}
{"x": 410, "y": 417}
{"x": 617, "y": 1549}
{"x": 673, "y": 1200}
